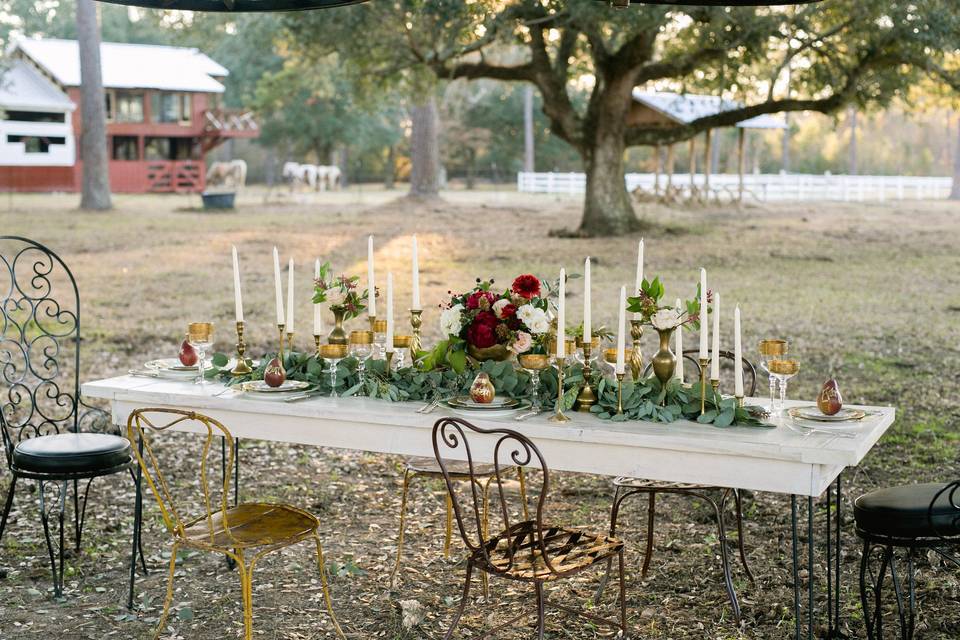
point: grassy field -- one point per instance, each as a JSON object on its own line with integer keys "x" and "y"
{"x": 866, "y": 293}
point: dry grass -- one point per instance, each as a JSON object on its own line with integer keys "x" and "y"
{"x": 869, "y": 294}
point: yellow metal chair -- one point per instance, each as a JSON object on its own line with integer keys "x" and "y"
{"x": 244, "y": 533}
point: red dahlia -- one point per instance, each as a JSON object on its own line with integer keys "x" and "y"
{"x": 526, "y": 286}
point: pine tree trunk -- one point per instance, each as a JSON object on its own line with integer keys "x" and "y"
{"x": 424, "y": 150}
{"x": 955, "y": 189}
{"x": 529, "y": 161}
{"x": 390, "y": 170}
{"x": 852, "y": 168}
{"x": 93, "y": 117}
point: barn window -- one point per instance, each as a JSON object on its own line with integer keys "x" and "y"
{"x": 125, "y": 148}
{"x": 124, "y": 106}
{"x": 37, "y": 144}
{"x": 34, "y": 116}
{"x": 170, "y": 107}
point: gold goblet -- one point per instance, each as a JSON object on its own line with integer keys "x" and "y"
{"x": 333, "y": 353}
{"x": 771, "y": 350}
{"x": 200, "y": 337}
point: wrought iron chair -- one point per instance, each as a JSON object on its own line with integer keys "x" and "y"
{"x": 41, "y": 413}
{"x": 908, "y": 517}
{"x": 251, "y": 527}
{"x": 527, "y": 551}
{"x": 625, "y": 487}
{"x": 428, "y": 468}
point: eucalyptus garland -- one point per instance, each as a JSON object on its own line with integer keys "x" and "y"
{"x": 645, "y": 399}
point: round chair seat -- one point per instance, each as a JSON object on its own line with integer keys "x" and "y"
{"x": 456, "y": 468}
{"x": 904, "y": 512}
{"x": 71, "y": 453}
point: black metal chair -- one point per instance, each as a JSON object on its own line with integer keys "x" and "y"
{"x": 40, "y": 420}
{"x": 526, "y": 551}
{"x": 909, "y": 518}
{"x": 716, "y": 497}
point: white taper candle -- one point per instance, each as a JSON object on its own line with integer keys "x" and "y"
{"x": 389, "y": 346}
{"x": 639, "y": 287}
{"x": 704, "y": 320}
{"x": 622, "y": 332}
{"x": 561, "y": 315}
{"x": 290, "y": 298}
{"x": 371, "y": 282}
{"x": 317, "y": 317}
{"x": 715, "y": 355}
{"x": 416, "y": 275}
{"x": 737, "y": 355}
{"x": 678, "y": 372}
{"x": 587, "y": 328}
{"x": 237, "y": 299}
{"x": 278, "y": 285}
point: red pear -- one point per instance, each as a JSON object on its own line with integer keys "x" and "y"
{"x": 274, "y": 375}
{"x": 188, "y": 355}
{"x": 830, "y": 401}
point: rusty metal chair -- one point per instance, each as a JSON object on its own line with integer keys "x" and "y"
{"x": 527, "y": 551}
{"x": 716, "y": 497}
{"x": 254, "y": 528}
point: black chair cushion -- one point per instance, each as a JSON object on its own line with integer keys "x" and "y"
{"x": 71, "y": 453}
{"x": 903, "y": 512}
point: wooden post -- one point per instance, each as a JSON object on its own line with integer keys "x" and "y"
{"x": 693, "y": 165}
{"x": 670, "y": 157}
{"x": 741, "y": 135}
{"x": 656, "y": 170}
{"x": 708, "y": 144}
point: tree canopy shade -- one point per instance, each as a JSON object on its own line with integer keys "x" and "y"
{"x": 236, "y": 6}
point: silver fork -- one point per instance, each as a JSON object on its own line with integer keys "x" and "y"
{"x": 524, "y": 416}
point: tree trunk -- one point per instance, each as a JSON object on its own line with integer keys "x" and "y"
{"x": 955, "y": 189}
{"x": 390, "y": 170}
{"x": 93, "y": 117}
{"x": 607, "y": 209}
{"x": 529, "y": 162}
{"x": 852, "y": 167}
{"x": 424, "y": 150}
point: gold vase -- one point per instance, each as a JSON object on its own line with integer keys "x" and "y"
{"x": 665, "y": 361}
{"x": 496, "y": 352}
{"x": 338, "y": 335}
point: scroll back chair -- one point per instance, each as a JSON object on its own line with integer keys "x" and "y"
{"x": 41, "y": 412}
{"x": 526, "y": 551}
{"x": 625, "y": 487}
{"x": 914, "y": 518}
{"x": 244, "y": 533}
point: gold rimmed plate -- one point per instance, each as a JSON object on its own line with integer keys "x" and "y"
{"x": 260, "y": 387}
{"x": 172, "y": 368}
{"x": 811, "y": 412}
{"x": 497, "y": 403}
{"x": 488, "y": 411}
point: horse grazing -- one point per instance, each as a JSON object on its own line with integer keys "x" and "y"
{"x": 230, "y": 175}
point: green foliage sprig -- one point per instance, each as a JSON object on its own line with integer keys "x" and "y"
{"x": 348, "y": 297}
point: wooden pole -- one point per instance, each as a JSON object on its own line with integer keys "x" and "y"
{"x": 670, "y": 158}
{"x": 656, "y": 174}
{"x": 741, "y": 134}
{"x": 693, "y": 168}
{"x": 708, "y": 141}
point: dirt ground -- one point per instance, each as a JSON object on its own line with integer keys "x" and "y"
{"x": 866, "y": 293}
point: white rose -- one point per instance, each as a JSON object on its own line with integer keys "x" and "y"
{"x": 498, "y": 307}
{"x": 535, "y": 319}
{"x": 666, "y": 319}
{"x": 451, "y": 321}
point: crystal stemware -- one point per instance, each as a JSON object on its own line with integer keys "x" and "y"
{"x": 379, "y": 339}
{"x": 534, "y": 363}
{"x": 783, "y": 369}
{"x": 200, "y": 337}
{"x": 402, "y": 345}
{"x": 361, "y": 348}
{"x": 333, "y": 354}
{"x": 771, "y": 350}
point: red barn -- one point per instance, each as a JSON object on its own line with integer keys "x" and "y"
{"x": 163, "y": 116}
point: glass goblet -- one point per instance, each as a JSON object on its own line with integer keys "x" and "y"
{"x": 333, "y": 354}
{"x": 534, "y": 363}
{"x": 402, "y": 346}
{"x": 379, "y": 339}
{"x": 771, "y": 350}
{"x": 361, "y": 348}
{"x": 783, "y": 369}
{"x": 200, "y": 337}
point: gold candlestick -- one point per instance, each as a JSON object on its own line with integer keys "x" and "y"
{"x": 715, "y": 383}
{"x": 558, "y": 416}
{"x": 703, "y": 384}
{"x": 282, "y": 329}
{"x": 316, "y": 340}
{"x": 741, "y": 401}
{"x": 290, "y": 342}
{"x": 636, "y": 358}
{"x": 373, "y": 324}
{"x": 586, "y": 398}
{"x": 620, "y": 377}
{"x": 242, "y": 367}
{"x": 389, "y": 356}
{"x": 415, "y": 322}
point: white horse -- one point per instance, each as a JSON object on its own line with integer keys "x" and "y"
{"x": 322, "y": 173}
{"x": 333, "y": 174}
{"x": 232, "y": 174}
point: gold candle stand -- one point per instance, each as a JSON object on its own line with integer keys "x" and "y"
{"x": 703, "y": 384}
{"x": 715, "y": 383}
{"x": 620, "y": 377}
{"x": 559, "y": 416}
{"x": 282, "y": 329}
{"x": 242, "y": 367}
{"x": 636, "y": 358}
{"x": 389, "y": 356}
{"x": 741, "y": 401}
{"x": 586, "y": 398}
{"x": 290, "y": 341}
{"x": 415, "y": 322}
{"x": 316, "y": 341}
{"x": 373, "y": 324}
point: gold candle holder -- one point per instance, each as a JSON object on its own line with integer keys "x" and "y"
{"x": 559, "y": 416}
{"x": 703, "y": 384}
{"x": 389, "y": 357}
{"x": 415, "y": 321}
{"x": 715, "y": 383}
{"x": 636, "y": 357}
{"x": 373, "y": 323}
{"x": 741, "y": 401}
{"x": 242, "y": 367}
{"x": 290, "y": 341}
{"x": 586, "y": 398}
{"x": 620, "y": 377}
{"x": 282, "y": 329}
{"x": 316, "y": 341}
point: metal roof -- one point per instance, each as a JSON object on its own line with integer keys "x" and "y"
{"x": 129, "y": 66}
{"x": 23, "y": 87}
{"x": 687, "y": 107}
{"x": 237, "y": 6}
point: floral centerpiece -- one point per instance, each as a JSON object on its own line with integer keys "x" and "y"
{"x": 346, "y": 300}
{"x": 492, "y": 325}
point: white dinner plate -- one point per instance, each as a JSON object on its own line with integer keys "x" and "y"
{"x": 467, "y": 402}
{"x": 812, "y": 412}
{"x": 492, "y": 413}
{"x": 260, "y": 387}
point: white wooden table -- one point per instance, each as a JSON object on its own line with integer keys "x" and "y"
{"x": 777, "y": 460}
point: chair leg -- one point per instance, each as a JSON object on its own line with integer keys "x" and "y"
{"x": 486, "y": 530}
{"x": 541, "y": 611}
{"x": 898, "y": 592}
{"x": 864, "y": 600}
{"x": 246, "y": 578}
{"x": 651, "y": 519}
{"x": 522, "y": 478}
{"x": 403, "y": 520}
{"x": 623, "y": 598}
{"x": 137, "y": 544}
{"x": 464, "y": 599}
{"x": 7, "y": 505}
{"x": 614, "y": 514}
{"x": 448, "y": 532}
{"x": 743, "y": 554}
{"x": 326, "y": 588}
{"x": 725, "y": 561}
{"x": 45, "y": 519}
{"x": 168, "y": 600}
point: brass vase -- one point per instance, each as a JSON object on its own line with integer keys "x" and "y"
{"x": 497, "y": 352}
{"x": 664, "y": 361}
{"x": 338, "y": 335}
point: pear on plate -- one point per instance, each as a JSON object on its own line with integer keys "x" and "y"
{"x": 274, "y": 375}
{"x": 188, "y": 355}
{"x": 830, "y": 401}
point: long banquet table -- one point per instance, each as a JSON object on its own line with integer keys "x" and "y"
{"x": 777, "y": 460}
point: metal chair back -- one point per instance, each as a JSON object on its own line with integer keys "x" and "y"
{"x": 39, "y": 343}
{"x": 946, "y": 526}
{"x": 727, "y": 361}
{"x": 507, "y": 449}
{"x": 215, "y": 498}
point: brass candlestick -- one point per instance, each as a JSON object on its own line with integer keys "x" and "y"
{"x": 282, "y": 329}
{"x": 316, "y": 341}
{"x": 290, "y": 341}
{"x": 242, "y": 367}
{"x": 586, "y": 398}
{"x": 559, "y": 416}
{"x": 715, "y": 383}
{"x": 636, "y": 358}
{"x": 415, "y": 322}
{"x": 620, "y": 377}
{"x": 389, "y": 356}
{"x": 741, "y": 401}
{"x": 373, "y": 324}
{"x": 703, "y": 384}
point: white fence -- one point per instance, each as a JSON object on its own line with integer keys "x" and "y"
{"x": 763, "y": 187}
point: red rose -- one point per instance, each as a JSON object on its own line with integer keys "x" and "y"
{"x": 481, "y": 335}
{"x": 508, "y": 311}
{"x": 486, "y": 318}
{"x": 526, "y": 286}
{"x": 475, "y": 300}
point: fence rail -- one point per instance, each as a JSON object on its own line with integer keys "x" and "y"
{"x": 762, "y": 187}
